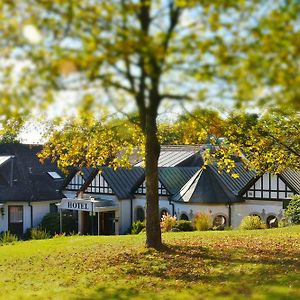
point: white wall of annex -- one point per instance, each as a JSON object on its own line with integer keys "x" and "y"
{"x": 259, "y": 207}
{"x": 124, "y": 217}
{"x": 40, "y": 209}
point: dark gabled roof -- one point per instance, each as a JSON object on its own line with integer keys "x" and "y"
{"x": 25, "y": 178}
{"x": 292, "y": 179}
{"x": 87, "y": 174}
{"x": 123, "y": 181}
{"x": 236, "y": 185}
{"x": 204, "y": 187}
{"x": 72, "y": 171}
{"x": 179, "y": 155}
{"x": 175, "y": 178}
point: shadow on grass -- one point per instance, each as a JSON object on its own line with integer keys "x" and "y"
{"x": 108, "y": 293}
{"x": 194, "y": 263}
{"x": 211, "y": 273}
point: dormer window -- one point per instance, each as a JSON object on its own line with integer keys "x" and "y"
{"x": 4, "y": 159}
{"x": 54, "y": 175}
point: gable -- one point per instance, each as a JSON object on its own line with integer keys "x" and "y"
{"x": 76, "y": 182}
{"x": 269, "y": 186}
{"x": 162, "y": 191}
{"x": 99, "y": 186}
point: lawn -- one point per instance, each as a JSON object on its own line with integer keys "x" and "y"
{"x": 263, "y": 264}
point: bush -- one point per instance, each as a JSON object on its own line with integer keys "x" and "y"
{"x": 251, "y": 223}
{"x": 167, "y": 222}
{"x": 293, "y": 210}
{"x": 137, "y": 227}
{"x": 203, "y": 221}
{"x": 184, "y": 225}
{"x": 39, "y": 234}
{"x": 50, "y": 223}
{"x": 7, "y": 237}
{"x": 284, "y": 222}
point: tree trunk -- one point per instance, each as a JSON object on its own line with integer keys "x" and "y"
{"x": 153, "y": 232}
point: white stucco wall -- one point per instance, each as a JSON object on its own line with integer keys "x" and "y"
{"x": 238, "y": 210}
{"x": 39, "y": 210}
{"x": 259, "y": 207}
{"x": 140, "y": 201}
{"x": 124, "y": 217}
{"x": 191, "y": 210}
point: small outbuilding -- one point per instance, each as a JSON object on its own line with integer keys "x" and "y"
{"x": 29, "y": 189}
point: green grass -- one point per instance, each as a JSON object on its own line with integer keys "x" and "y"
{"x": 259, "y": 264}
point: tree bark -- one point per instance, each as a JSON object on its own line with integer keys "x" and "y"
{"x": 153, "y": 232}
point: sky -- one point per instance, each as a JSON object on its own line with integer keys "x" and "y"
{"x": 65, "y": 103}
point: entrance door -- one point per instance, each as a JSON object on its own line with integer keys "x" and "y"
{"x": 107, "y": 223}
{"x": 15, "y": 219}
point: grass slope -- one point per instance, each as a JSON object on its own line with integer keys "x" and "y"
{"x": 260, "y": 264}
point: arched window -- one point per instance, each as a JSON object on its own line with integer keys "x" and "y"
{"x": 164, "y": 212}
{"x": 255, "y": 215}
{"x": 219, "y": 220}
{"x": 184, "y": 217}
{"x": 140, "y": 214}
{"x": 272, "y": 221}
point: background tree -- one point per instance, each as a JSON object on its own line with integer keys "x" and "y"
{"x": 148, "y": 51}
{"x": 191, "y": 127}
{"x": 266, "y": 143}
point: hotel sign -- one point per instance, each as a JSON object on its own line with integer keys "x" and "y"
{"x": 74, "y": 204}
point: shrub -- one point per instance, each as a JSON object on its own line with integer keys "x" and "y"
{"x": 167, "y": 222}
{"x": 50, "y": 223}
{"x": 137, "y": 227}
{"x": 284, "y": 222}
{"x": 39, "y": 234}
{"x": 251, "y": 223}
{"x": 293, "y": 210}
{"x": 203, "y": 221}
{"x": 7, "y": 237}
{"x": 59, "y": 235}
{"x": 183, "y": 225}
{"x": 143, "y": 230}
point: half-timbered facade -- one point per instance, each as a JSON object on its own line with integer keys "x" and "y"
{"x": 269, "y": 187}
{"x": 185, "y": 188}
{"x": 108, "y": 201}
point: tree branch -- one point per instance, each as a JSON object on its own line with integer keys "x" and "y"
{"x": 175, "y": 97}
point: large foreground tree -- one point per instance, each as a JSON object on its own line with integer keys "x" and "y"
{"x": 126, "y": 52}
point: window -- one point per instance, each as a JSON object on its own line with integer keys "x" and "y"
{"x": 255, "y": 215}
{"x": 162, "y": 191}
{"x": 272, "y": 221}
{"x": 15, "y": 219}
{"x": 184, "y": 217}
{"x": 99, "y": 186}
{"x": 164, "y": 212}
{"x": 16, "y": 214}
{"x": 142, "y": 189}
{"x": 140, "y": 214}
{"x": 76, "y": 183}
{"x": 270, "y": 187}
{"x": 53, "y": 208}
{"x": 219, "y": 220}
{"x": 54, "y": 175}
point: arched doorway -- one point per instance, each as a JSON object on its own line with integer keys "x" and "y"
{"x": 184, "y": 217}
{"x": 140, "y": 214}
{"x": 272, "y": 221}
{"x": 219, "y": 220}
